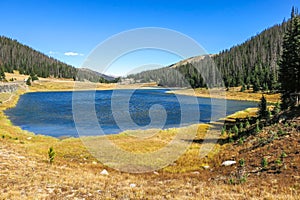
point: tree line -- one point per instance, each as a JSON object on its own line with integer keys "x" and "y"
{"x": 253, "y": 63}
{"x": 16, "y": 56}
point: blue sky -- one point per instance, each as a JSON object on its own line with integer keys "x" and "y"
{"x": 70, "y": 30}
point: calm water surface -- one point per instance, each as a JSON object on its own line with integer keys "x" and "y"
{"x": 50, "y": 113}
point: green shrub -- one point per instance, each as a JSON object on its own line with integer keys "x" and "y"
{"x": 278, "y": 162}
{"x": 281, "y": 132}
{"x": 223, "y": 131}
{"x": 243, "y": 88}
{"x": 34, "y": 77}
{"x": 269, "y": 114}
{"x": 235, "y": 130}
{"x": 28, "y": 81}
{"x": 51, "y": 155}
{"x": 241, "y": 141}
{"x": 231, "y": 181}
{"x": 243, "y": 179}
{"x": 264, "y": 162}
{"x": 277, "y": 108}
{"x": 283, "y": 155}
{"x": 241, "y": 127}
{"x": 257, "y": 129}
{"x": 247, "y": 124}
{"x": 242, "y": 162}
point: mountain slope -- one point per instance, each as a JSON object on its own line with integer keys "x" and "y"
{"x": 16, "y": 56}
{"x": 253, "y": 62}
{"x": 88, "y": 74}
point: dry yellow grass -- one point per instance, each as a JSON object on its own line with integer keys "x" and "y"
{"x": 55, "y": 84}
{"x": 233, "y": 94}
{"x": 26, "y": 174}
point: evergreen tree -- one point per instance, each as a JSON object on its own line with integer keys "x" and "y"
{"x": 262, "y": 108}
{"x": 2, "y": 74}
{"x": 28, "y": 81}
{"x": 16, "y": 56}
{"x": 289, "y": 76}
{"x": 252, "y": 63}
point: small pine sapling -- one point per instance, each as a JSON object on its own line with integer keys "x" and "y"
{"x": 51, "y": 154}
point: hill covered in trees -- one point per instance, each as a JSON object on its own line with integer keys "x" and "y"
{"x": 16, "y": 56}
{"x": 253, "y": 63}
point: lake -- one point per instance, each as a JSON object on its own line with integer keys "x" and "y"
{"x": 51, "y": 113}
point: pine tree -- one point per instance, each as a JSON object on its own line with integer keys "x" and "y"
{"x": 289, "y": 71}
{"x": 2, "y": 74}
{"x": 262, "y": 108}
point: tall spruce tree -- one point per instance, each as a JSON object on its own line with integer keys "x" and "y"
{"x": 289, "y": 66}
{"x": 262, "y": 108}
{"x": 2, "y": 74}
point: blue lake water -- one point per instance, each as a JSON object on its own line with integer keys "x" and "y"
{"x": 51, "y": 113}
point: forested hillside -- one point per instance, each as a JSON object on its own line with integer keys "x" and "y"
{"x": 16, "y": 56}
{"x": 251, "y": 64}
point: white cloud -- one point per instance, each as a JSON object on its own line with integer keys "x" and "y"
{"x": 70, "y": 53}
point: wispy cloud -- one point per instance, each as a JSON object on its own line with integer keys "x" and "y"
{"x": 71, "y": 53}
{"x": 53, "y": 52}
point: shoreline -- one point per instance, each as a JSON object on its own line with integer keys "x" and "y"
{"x": 15, "y": 98}
{"x": 233, "y": 94}
{"x": 75, "y": 165}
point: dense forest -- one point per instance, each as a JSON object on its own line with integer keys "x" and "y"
{"x": 16, "y": 56}
{"x": 251, "y": 64}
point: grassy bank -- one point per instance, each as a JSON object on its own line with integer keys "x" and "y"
{"x": 232, "y": 94}
{"x": 26, "y": 173}
{"x": 72, "y": 150}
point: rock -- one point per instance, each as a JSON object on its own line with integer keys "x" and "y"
{"x": 99, "y": 191}
{"x": 29, "y": 138}
{"x": 196, "y": 172}
{"x": 205, "y": 167}
{"x": 94, "y": 163}
{"x": 156, "y": 173}
{"x": 228, "y": 163}
{"x": 104, "y": 172}
{"x": 132, "y": 185}
{"x": 282, "y": 119}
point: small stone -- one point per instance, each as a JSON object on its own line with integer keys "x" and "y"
{"x": 196, "y": 172}
{"x": 132, "y": 185}
{"x": 94, "y": 163}
{"x": 228, "y": 163}
{"x": 156, "y": 173}
{"x": 29, "y": 138}
{"x": 104, "y": 172}
{"x": 99, "y": 191}
{"x": 205, "y": 167}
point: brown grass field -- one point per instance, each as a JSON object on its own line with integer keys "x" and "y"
{"x": 233, "y": 93}
{"x": 25, "y": 172}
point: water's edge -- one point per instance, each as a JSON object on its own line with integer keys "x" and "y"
{"x": 19, "y": 94}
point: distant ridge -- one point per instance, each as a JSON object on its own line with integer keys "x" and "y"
{"x": 85, "y": 73}
{"x": 16, "y": 56}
